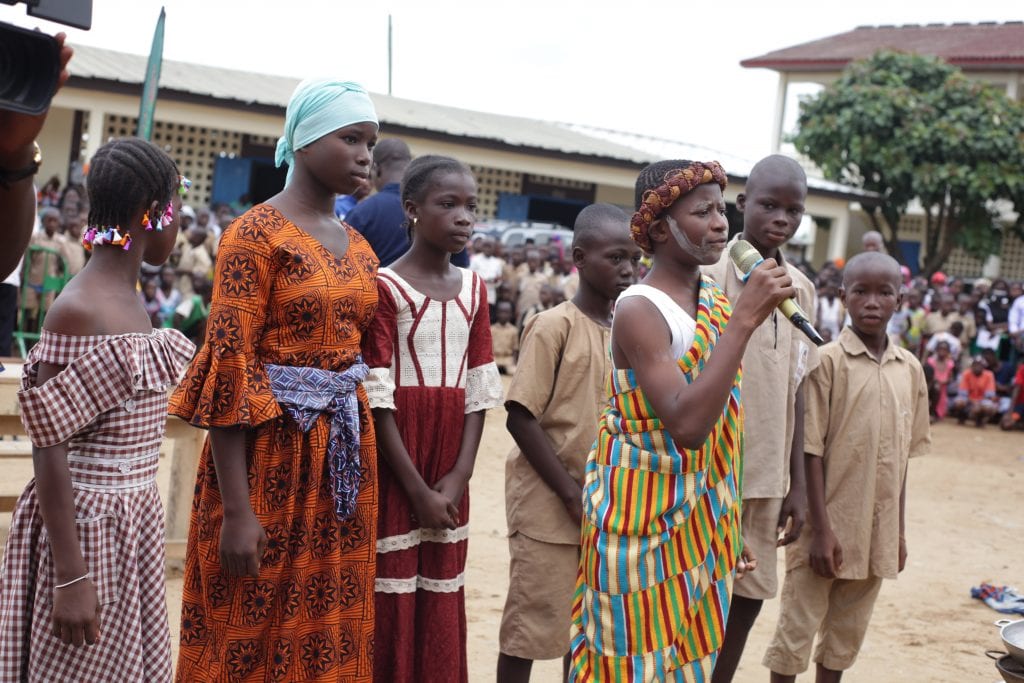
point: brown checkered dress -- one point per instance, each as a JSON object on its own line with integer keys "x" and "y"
{"x": 110, "y": 405}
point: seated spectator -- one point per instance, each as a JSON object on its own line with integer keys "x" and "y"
{"x": 1014, "y": 417}
{"x": 951, "y": 338}
{"x": 976, "y": 399}
{"x": 191, "y": 314}
{"x": 1004, "y": 373}
{"x": 943, "y": 371}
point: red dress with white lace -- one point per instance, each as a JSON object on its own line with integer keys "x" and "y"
{"x": 431, "y": 363}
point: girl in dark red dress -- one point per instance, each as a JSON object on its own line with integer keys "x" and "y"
{"x": 431, "y": 378}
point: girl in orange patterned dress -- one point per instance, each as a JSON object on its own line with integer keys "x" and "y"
{"x": 432, "y": 377}
{"x": 280, "y": 560}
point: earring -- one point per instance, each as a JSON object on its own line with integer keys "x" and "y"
{"x": 413, "y": 223}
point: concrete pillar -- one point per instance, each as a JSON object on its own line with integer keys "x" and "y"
{"x": 94, "y": 133}
{"x": 839, "y": 235}
{"x": 780, "y": 112}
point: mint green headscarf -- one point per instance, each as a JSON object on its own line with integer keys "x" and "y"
{"x": 320, "y": 106}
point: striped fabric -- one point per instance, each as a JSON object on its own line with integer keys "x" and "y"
{"x": 660, "y": 534}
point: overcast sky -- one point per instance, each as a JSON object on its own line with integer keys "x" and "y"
{"x": 667, "y": 69}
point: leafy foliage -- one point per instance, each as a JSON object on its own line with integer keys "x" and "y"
{"x": 906, "y": 127}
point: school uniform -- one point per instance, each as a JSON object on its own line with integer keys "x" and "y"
{"x": 777, "y": 359}
{"x": 504, "y": 344}
{"x": 865, "y": 468}
{"x": 563, "y": 367}
{"x": 530, "y": 285}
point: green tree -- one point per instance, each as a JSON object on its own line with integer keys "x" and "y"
{"x": 906, "y": 127}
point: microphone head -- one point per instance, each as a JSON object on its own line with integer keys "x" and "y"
{"x": 744, "y": 255}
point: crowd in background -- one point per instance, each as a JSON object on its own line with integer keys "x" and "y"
{"x": 969, "y": 334}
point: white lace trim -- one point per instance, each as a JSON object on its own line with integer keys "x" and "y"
{"x": 417, "y": 582}
{"x": 412, "y": 539}
{"x": 483, "y": 388}
{"x": 380, "y": 388}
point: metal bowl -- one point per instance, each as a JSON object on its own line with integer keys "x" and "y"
{"x": 1009, "y": 668}
{"x": 1013, "y": 637}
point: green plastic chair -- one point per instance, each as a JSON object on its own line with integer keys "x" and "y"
{"x": 51, "y": 283}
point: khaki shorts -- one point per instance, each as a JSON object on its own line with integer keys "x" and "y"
{"x": 542, "y": 580}
{"x": 759, "y": 525}
{"x": 839, "y": 610}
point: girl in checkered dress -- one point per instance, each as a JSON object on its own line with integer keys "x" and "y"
{"x": 82, "y": 581}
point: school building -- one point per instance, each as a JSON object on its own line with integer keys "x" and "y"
{"x": 222, "y": 125}
{"x": 991, "y": 52}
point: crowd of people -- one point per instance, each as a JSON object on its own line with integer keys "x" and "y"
{"x": 672, "y": 429}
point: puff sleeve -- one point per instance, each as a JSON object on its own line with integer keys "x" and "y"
{"x": 483, "y": 383}
{"x": 227, "y": 385}
{"x": 104, "y": 378}
{"x": 379, "y": 344}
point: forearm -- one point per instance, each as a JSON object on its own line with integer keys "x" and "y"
{"x": 816, "y": 510}
{"x": 536, "y": 448}
{"x": 229, "y": 459}
{"x": 797, "y": 469}
{"x": 472, "y": 431}
{"x": 390, "y": 446}
{"x": 57, "y": 507}
{"x": 903, "y": 507}
{"x": 18, "y": 209}
{"x": 697, "y": 407}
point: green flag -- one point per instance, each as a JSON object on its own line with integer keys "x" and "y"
{"x": 148, "y": 104}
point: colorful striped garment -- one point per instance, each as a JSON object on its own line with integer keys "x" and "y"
{"x": 661, "y": 534}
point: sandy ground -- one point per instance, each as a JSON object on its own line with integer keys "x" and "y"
{"x": 964, "y": 527}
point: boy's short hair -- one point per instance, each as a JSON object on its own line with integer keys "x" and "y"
{"x": 873, "y": 258}
{"x": 592, "y": 218}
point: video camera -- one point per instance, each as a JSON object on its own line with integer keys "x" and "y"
{"x": 30, "y": 60}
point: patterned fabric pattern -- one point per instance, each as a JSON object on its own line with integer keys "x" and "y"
{"x": 307, "y": 393}
{"x": 110, "y": 404}
{"x": 660, "y": 533}
{"x": 281, "y": 298}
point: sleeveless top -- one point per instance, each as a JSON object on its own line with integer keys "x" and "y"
{"x": 681, "y": 326}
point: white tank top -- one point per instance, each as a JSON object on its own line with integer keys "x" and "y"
{"x": 681, "y": 326}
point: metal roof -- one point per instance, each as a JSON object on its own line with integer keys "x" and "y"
{"x": 248, "y": 88}
{"x": 986, "y": 45}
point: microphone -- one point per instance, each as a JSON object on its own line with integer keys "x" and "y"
{"x": 746, "y": 258}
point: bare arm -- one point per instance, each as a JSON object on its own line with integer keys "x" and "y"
{"x": 453, "y": 484}
{"x": 826, "y": 553}
{"x": 76, "y": 607}
{"x": 537, "y": 450}
{"x": 433, "y": 510}
{"x": 242, "y": 538}
{"x": 903, "y": 526}
{"x": 689, "y": 411}
{"x": 794, "y": 505}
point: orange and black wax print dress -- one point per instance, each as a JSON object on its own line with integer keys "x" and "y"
{"x": 281, "y": 299}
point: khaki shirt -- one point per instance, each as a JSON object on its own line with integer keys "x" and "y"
{"x": 777, "y": 359}
{"x": 195, "y": 260}
{"x": 935, "y": 322}
{"x": 504, "y": 341}
{"x": 563, "y": 367}
{"x": 865, "y": 419}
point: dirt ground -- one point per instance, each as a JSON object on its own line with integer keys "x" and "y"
{"x": 964, "y": 527}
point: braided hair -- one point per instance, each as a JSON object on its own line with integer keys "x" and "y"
{"x": 125, "y": 176}
{"x": 654, "y": 175}
{"x": 421, "y": 175}
{"x": 660, "y": 184}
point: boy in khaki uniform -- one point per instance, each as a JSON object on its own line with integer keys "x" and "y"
{"x": 777, "y": 359}
{"x": 553, "y": 405}
{"x": 866, "y": 415}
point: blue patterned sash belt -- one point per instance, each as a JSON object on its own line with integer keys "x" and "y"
{"x": 308, "y": 393}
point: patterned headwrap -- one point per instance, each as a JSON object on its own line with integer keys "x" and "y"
{"x": 656, "y": 201}
{"x": 318, "y": 107}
